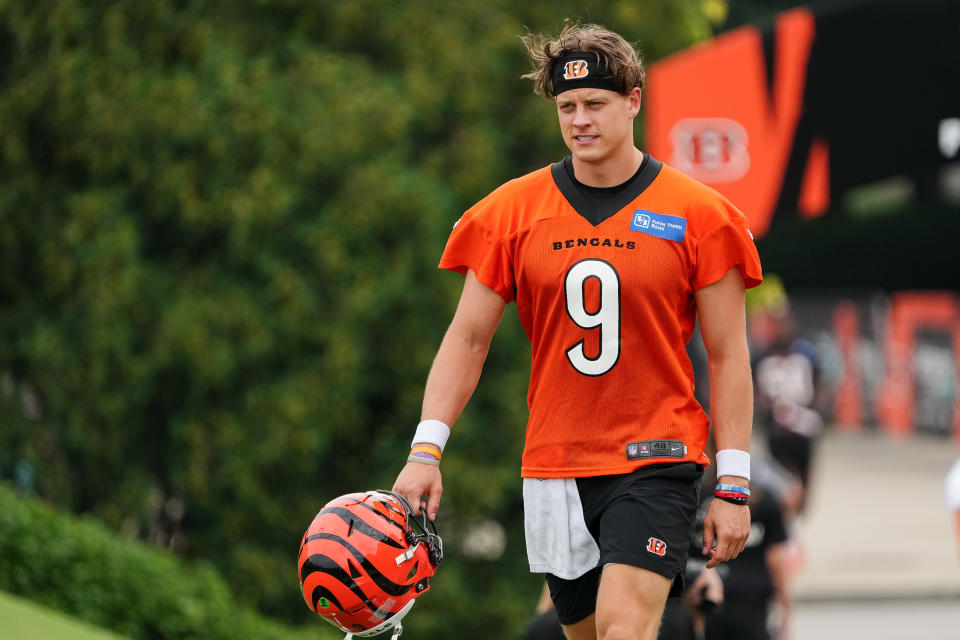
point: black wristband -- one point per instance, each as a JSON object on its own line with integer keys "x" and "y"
{"x": 742, "y": 501}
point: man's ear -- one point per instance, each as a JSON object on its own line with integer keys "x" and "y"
{"x": 635, "y": 99}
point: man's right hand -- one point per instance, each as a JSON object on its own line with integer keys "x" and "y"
{"x": 418, "y": 480}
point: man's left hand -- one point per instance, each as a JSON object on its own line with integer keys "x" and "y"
{"x": 727, "y": 526}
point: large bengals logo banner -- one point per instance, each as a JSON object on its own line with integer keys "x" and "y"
{"x": 712, "y": 114}
{"x": 784, "y": 119}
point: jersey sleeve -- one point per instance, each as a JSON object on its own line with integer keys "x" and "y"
{"x": 474, "y": 244}
{"x": 727, "y": 244}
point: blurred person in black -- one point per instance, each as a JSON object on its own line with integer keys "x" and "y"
{"x": 755, "y": 580}
{"x": 758, "y": 578}
{"x": 787, "y": 377}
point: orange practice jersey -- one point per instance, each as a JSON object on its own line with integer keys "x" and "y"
{"x": 608, "y": 308}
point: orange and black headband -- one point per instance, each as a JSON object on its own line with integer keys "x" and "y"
{"x": 580, "y": 70}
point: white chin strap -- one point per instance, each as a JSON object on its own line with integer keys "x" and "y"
{"x": 396, "y": 633}
{"x": 393, "y": 622}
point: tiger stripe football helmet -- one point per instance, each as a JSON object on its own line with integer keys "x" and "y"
{"x": 364, "y": 560}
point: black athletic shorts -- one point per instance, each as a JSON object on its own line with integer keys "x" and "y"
{"x": 643, "y": 519}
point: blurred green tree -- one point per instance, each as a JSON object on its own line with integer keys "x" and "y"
{"x": 218, "y": 233}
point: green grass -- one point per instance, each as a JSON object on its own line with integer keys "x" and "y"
{"x": 24, "y": 620}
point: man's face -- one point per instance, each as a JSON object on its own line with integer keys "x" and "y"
{"x": 596, "y": 123}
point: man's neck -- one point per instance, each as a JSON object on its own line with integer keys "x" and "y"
{"x": 611, "y": 172}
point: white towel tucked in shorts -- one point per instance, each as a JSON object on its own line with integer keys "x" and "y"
{"x": 558, "y": 541}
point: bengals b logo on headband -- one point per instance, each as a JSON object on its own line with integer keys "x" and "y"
{"x": 575, "y": 70}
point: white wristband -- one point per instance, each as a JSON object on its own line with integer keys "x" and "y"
{"x": 733, "y": 462}
{"x": 432, "y": 431}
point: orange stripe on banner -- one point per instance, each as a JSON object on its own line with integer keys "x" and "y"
{"x": 815, "y": 188}
{"x": 711, "y": 114}
{"x": 848, "y": 399}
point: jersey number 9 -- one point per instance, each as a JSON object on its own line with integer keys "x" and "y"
{"x": 606, "y": 317}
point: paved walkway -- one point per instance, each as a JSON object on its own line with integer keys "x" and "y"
{"x": 877, "y": 526}
{"x": 881, "y": 620}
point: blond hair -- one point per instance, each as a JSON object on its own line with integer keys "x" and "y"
{"x": 618, "y": 56}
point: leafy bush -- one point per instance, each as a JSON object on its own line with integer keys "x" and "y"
{"x": 79, "y": 567}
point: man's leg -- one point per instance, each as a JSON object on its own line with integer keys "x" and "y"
{"x": 634, "y": 527}
{"x": 586, "y": 629}
{"x": 630, "y": 603}
{"x": 575, "y": 600}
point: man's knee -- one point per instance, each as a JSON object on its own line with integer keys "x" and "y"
{"x": 630, "y": 603}
{"x": 624, "y": 630}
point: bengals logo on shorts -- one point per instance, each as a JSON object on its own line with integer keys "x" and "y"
{"x": 575, "y": 69}
{"x": 657, "y": 546}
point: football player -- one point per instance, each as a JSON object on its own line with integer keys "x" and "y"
{"x": 610, "y": 256}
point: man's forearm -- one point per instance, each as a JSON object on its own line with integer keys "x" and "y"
{"x": 731, "y": 402}
{"x": 453, "y": 377}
